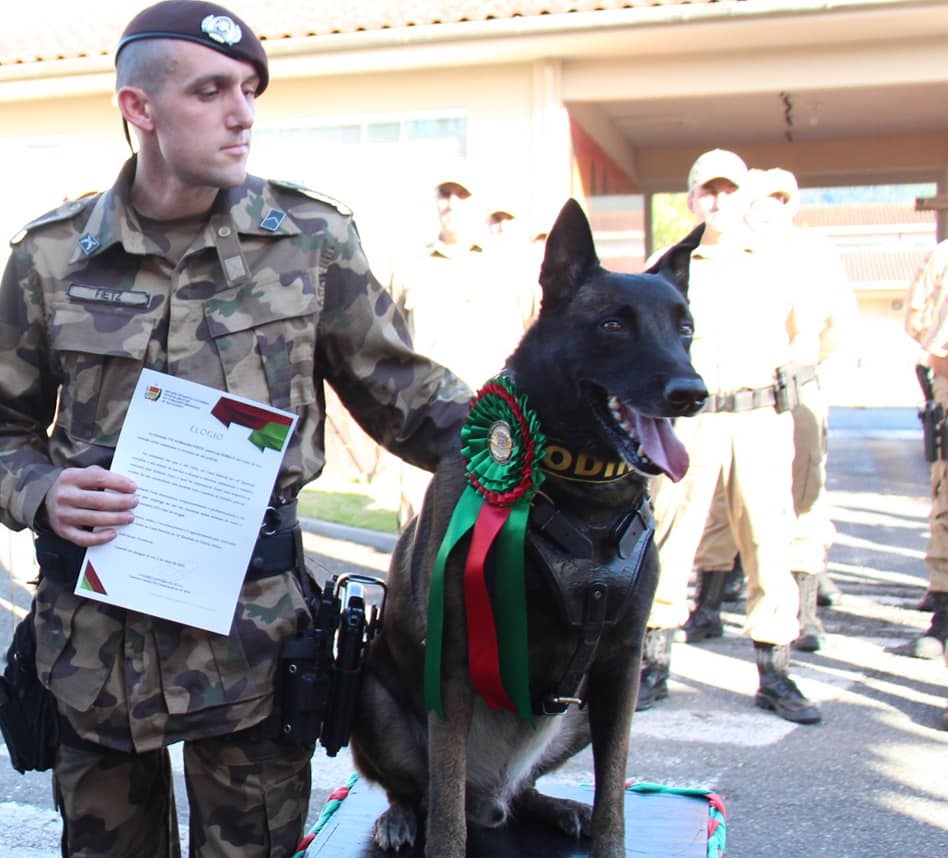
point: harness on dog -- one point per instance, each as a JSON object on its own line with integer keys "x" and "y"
{"x": 593, "y": 573}
{"x": 592, "y": 569}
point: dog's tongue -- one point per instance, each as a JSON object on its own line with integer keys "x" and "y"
{"x": 661, "y": 445}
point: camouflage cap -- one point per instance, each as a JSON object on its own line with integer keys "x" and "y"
{"x": 204, "y": 23}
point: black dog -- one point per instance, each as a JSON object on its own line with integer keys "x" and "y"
{"x": 605, "y": 368}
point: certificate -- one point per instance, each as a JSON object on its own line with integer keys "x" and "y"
{"x": 205, "y": 463}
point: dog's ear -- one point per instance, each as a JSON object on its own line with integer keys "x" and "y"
{"x": 675, "y": 264}
{"x": 570, "y": 254}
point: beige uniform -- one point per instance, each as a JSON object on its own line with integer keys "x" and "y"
{"x": 927, "y": 323}
{"x": 466, "y": 309}
{"x": 748, "y": 451}
{"x": 823, "y": 316}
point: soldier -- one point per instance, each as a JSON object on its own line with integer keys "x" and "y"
{"x": 255, "y": 287}
{"x": 465, "y": 301}
{"x": 740, "y": 438}
{"x": 464, "y": 310}
{"x": 926, "y": 322}
{"x": 822, "y": 321}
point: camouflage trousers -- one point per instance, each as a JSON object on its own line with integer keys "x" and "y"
{"x": 247, "y": 797}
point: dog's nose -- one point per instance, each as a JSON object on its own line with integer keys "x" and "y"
{"x": 686, "y": 395}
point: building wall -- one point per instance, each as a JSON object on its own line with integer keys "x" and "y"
{"x": 516, "y": 142}
{"x": 516, "y": 145}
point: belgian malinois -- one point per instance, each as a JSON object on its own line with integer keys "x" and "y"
{"x": 605, "y": 369}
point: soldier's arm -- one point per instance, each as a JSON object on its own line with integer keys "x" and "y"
{"x": 28, "y": 393}
{"x": 409, "y": 404}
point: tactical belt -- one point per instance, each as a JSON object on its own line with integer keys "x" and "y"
{"x": 805, "y": 373}
{"x": 740, "y": 400}
{"x": 277, "y": 548}
{"x": 749, "y": 399}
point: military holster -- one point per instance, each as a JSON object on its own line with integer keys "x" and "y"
{"x": 28, "y": 716}
{"x": 788, "y": 385}
{"x": 320, "y": 670}
{"x": 932, "y": 417}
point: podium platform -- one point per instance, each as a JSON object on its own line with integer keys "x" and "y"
{"x": 660, "y": 822}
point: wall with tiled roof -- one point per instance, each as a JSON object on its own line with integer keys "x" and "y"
{"x": 865, "y": 214}
{"x": 56, "y": 29}
{"x": 884, "y": 267}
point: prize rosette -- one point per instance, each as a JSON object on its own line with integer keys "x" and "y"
{"x": 502, "y": 446}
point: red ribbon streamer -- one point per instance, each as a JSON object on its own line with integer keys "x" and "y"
{"x": 482, "y": 652}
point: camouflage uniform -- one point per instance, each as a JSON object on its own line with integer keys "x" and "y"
{"x": 273, "y": 298}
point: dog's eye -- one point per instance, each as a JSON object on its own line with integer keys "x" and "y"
{"x": 612, "y": 325}
{"x": 686, "y": 329}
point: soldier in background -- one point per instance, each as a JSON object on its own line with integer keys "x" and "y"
{"x": 822, "y": 322}
{"x": 926, "y": 322}
{"x": 465, "y": 299}
{"x": 190, "y": 266}
{"x": 740, "y": 438}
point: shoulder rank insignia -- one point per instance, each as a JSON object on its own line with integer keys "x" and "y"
{"x": 340, "y": 207}
{"x": 57, "y": 215}
{"x": 88, "y": 243}
{"x": 272, "y": 220}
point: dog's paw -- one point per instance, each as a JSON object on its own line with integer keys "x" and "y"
{"x": 573, "y": 818}
{"x": 395, "y": 828}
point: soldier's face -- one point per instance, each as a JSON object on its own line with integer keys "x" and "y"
{"x": 202, "y": 116}
{"x": 454, "y": 213}
{"x": 769, "y": 213}
{"x": 718, "y": 204}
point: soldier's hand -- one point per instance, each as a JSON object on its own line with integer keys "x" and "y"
{"x": 84, "y": 505}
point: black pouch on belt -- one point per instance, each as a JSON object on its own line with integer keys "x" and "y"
{"x": 28, "y": 716}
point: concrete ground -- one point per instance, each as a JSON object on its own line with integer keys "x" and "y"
{"x": 872, "y": 779}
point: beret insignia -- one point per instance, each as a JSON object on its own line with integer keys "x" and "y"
{"x": 221, "y": 29}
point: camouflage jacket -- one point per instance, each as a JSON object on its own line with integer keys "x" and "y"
{"x": 273, "y": 298}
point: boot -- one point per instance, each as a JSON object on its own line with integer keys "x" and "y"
{"x": 932, "y": 643}
{"x": 705, "y": 620}
{"x": 828, "y": 592}
{"x": 734, "y": 582}
{"x": 656, "y": 660}
{"x": 777, "y": 690}
{"x": 812, "y": 634}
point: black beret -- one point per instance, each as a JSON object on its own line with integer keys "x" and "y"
{"x": 204, "y": 23}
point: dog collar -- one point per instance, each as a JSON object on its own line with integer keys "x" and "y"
{"x": 563, "y": 463}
